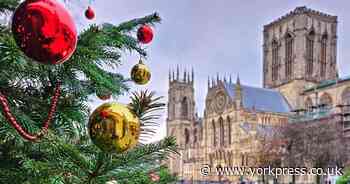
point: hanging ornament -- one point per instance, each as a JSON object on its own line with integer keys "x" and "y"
{"x": 145, "y": 34}
{"x": 97, "y": 29}
{"x": 104, "y": 95}
{"x": 44, "y": 31}
{"x": 45, "y": 126}
{"x": 154, "y": 177}
{"x": 89, "y": 13}
{"x": 112, "y": 182}
{"x": 140, "y": 73}
{"x": 113, "y": 127}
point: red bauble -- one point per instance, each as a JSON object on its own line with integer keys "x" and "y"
{"x": 145, "y": 34}
{"x": 89, "y": 13}
{"x": 104, "y": 96}
{"x": 45, "y": 31}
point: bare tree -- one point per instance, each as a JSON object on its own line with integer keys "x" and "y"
{"x": 269, "y": 150}
{"x": 316, "y": 143}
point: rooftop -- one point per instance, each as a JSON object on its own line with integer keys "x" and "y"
{"x": 302, "y": 10}
{"x": 260, "y": 99}
{"x": 327, "y": 83}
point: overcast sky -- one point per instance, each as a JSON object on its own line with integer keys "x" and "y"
{"x": 222, "y": 36}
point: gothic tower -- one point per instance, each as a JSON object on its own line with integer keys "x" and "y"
{"x": 181, "y": 106}
{"x": 300, "y": 49}
{"x": 181, "y": 113}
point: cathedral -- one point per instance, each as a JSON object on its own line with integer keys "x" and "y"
{"x": 299, "y": 74}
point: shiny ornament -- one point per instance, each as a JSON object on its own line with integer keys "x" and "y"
{"x": 145, "y": 34}
{"x": 89, "y": 13}
{"x": 113, "y": 127}
{"x": 44, "y": 31}
{"x": 112, "y": 182}
{"x": 104, "y": 96}
{"x": 140, "y": 73}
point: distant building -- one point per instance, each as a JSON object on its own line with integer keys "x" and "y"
{"x": 299, "y": 75}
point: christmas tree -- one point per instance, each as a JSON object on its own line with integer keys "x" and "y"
{"x": 32, "y": 93}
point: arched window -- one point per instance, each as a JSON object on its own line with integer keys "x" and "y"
{"x": 184, "y": 108}
{"x": 323, "y": 56}
{"x": 172, "y": 111}
{"x": 346, "y": 99}
{"x": 195, "y": 135}
{"x": 214, "y": 133}
{"x": 242, "y": 160}
{"x": 275, "y": 66}
{"x": 310, "y": 40}
{"x": 187, "y": 136}
{"x": 326, "y": 102}
{"x": 230, "y": 156}
{"x": 289, "y": 56}
{"x": 246, "y": 160}
{"x": 222, "y": 131}
{"x": 308, "y": 104}
{"x": 229, "y": 129}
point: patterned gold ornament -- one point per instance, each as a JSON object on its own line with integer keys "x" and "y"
{"x": 140, "y": 73}
{"x": 113, "y": 127}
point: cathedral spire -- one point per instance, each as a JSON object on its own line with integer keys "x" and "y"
{"x": 192, "y": 76}
{"x": 177, "y": 73}
{"x": 208, "y": 82}
{"x": 188, "y": 78}
{"x": 169, "y": 75}
{"x": 238, "y": 93}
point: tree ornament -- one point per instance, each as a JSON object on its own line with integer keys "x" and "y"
{"x": 104, "y": 95}
{"x": 44, "y": 31}
{"x": 113, "y": 127}
{"x": 45, "y": 126}
{"x": 145, "y": 34}
{"x": 154, "y": 177}
{"x": 89, "y": 13}
{"x": 112, "y": 182}
{"x": 140, "y": 73}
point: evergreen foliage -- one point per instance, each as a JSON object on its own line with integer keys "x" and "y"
{"x": 344, "y": 179}
{"x": 66, "y": 155}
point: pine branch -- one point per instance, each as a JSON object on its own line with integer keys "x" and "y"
{"x": 122, "y": 40}
{"x": 131, "y": 25}
{"x": 8, "y": 5}
{"x": 70, "y": 152}
{"x": 143, "y": 154}
{"x": 144, "y": 104}
{"x": 99, "y": 164}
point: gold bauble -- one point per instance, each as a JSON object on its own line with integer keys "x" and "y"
{"x": 113, "y": 127}
{"x": 140, "y": 73}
